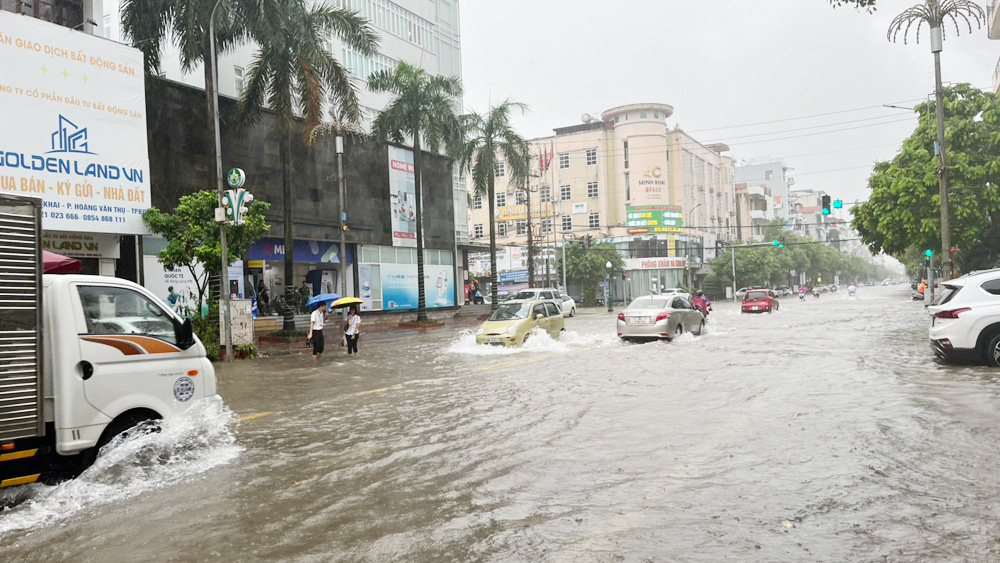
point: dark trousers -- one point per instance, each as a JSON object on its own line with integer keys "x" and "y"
{"x": 352, "y": 343}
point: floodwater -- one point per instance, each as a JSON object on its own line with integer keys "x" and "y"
{"x": 823, "y": 432}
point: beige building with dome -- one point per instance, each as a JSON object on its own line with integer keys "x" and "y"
{"x": 663, "y": 198}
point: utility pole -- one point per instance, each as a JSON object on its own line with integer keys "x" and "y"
{"x": 224, "y": 282}
{"x": 531, "y": 244}
{"x": 732, "y": 250}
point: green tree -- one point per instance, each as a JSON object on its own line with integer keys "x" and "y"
{"x": 903, "y": 209}
{"x": 489, "y": 140}
{"x": 192, "y": 235}
{"x": 422, "y": 110}
{"x": 588, "y": 265}
{"x": 868, "y": 5}
{"x": 293, "y": 74}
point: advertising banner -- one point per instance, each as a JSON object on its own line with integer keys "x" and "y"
{"x": 159, "y": 280}
{"x": 520, "y": 212}
{"x": 365, "y": 279}
{"x": 654, "y": 263}
{"x": 399, "y": 286}
{"x": 654, "y": 219}
{"x": 402, "y": 197}
{"x": 82, "y": 245}
{"x": 308, "y": 251}
{"x": 73, "y": 109}
{"x": 513, "y": 275}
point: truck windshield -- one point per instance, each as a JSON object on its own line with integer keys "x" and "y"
{"x": 118, "y": 310}
{"x": 511, "y": 311}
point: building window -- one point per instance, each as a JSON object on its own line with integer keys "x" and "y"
{"x": 238, "y": 80}
{"x": 769, "y": 175}
{"x": 592, "y": 188}
{"x": 477, "y": 202}
{"x": 567, "y": 222}
{"x": 545, "y": 194}
{"x": 547, "y": 225}
{"x": 522, "y": 226}
{"x": 594, "y": 220}
{"x": 520, "y": 197}
{"x": 477, "y": 230}
{"x": 642, "y": 115}
{"x": 502, "y": 229}
{"x": 565, "y": 193}
{"x": 625, "y": 144}
{"x": 501, "y": 200}
{"x": 628, "y": 188}
{"x": 501, "y": 169}
{"x": 564, "y": 160}
{"x": 591, "y": 157}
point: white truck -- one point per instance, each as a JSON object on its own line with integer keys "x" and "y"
{"x": 82, "y": 358}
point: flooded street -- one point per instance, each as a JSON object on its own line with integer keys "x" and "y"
{"x": 823, "y": 432}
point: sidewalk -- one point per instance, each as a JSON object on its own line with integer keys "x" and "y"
{"x": 373, "y": 334}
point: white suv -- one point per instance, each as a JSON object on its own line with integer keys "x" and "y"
{"x": 965, "y": 322}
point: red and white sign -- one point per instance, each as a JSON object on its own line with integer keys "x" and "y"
{"x": 655, "y": 263}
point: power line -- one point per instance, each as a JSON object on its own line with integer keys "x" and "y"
{"x": 785, "y": 120}
{"x": 813, "y": 127}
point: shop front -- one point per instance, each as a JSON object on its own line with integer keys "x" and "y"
{"x": 316, "y": 262}
{"x": 387, "y": 276}
{"x": 649, "y": 276}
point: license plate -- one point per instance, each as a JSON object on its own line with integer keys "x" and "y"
{"x": 493, "y": 341}
{"x": 640, "y": 320}
{"x": 755, "y": 308}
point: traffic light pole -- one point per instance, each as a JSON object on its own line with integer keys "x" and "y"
{"x": 224, "y": 281}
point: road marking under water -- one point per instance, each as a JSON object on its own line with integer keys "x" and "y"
{"x": 253, "y": 416}
{"x": 381, "y": 390}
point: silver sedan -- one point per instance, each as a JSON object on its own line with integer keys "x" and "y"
{"x": 659, "y": 316}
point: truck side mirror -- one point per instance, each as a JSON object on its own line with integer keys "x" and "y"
{"x": 185, "y": 334}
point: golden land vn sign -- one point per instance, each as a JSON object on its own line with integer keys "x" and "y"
{"x": 73, "y": 115}
{"x": 519, "y": 212}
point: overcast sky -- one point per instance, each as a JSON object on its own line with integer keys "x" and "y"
{"x": 721, "y": 63}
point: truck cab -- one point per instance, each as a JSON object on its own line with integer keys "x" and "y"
{"x": 82, "y": 358}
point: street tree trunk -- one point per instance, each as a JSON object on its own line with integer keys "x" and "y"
{"x": 288, "y": 313}
{"x": 419, "y": 192}
{"x": 942, "y": 171}
{"x": 494, "y": 290}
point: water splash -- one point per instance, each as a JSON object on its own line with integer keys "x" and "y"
{"x": 192, "y": 443}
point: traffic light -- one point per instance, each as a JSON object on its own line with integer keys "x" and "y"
{"x": 928, "y": 253}
{"x": 781, "y": 243}
{"x": 838, "y": 204}
{"x": 826, "y": 205}
{"x": 776, "y": 242}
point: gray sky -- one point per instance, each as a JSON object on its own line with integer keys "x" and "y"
{"x": 721, "y": 63}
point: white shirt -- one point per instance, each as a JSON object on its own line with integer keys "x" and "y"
{"x": 352, "y": 325}
{"x": 317, "y": 320}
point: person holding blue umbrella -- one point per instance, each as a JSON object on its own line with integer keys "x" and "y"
{"x": 317, "y": 320}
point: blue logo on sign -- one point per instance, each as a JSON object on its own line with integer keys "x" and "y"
{"x": 183, "y": 389}
{"x": 69, "y": 138}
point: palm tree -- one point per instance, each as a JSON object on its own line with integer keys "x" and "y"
{"x": 490, "y": 138}
{"x": 936, "y": 13}
{"x": 423, "y": 111}
{"x": 293, "y": 74}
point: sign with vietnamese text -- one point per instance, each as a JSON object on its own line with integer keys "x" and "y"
{"x": 82, "y": 245}
{"x": 402, "y": 197}
{"x": 73, "y": 109}
{"x": 654, "y": 263}
{"x": 520, "y": 212}
{"x": 642, "y": 219}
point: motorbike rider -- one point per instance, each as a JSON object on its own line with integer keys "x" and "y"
{"x": 701, "y": 303}
{"x": 851, "y": 289}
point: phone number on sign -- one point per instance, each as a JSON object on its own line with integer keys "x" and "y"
{"x": 82, "y": 217}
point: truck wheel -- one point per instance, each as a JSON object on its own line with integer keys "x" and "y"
{"x": 127, "y": 425}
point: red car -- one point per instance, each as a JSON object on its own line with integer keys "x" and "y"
{"x": 759, "y": 301}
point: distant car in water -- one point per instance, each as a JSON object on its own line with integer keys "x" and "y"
{"x": 512, "y": 322}
{"x": 741, "y": 292}
{"x": 759, "y": 301}
{"x": 568, "y": 305}
{"x": 659, "y": 317}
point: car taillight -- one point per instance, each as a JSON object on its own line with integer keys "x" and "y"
{"x": 662, "y": 317}
{"x": 951, "y": 314}
{"x": 621, "y": 317}
{"x": 944, "y": 342}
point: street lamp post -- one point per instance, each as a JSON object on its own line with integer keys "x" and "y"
{"x": 339, "y": 142}
{"x": 224, "y": 281}
{"x": 607, "y": 288}
{"x": 934, "y": 13}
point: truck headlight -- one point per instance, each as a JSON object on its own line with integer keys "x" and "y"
{"x": 512, "y": 329}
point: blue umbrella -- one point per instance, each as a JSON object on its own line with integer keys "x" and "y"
{"x": 322, "y": 298}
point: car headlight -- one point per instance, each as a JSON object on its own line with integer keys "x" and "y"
{"x": 511, "y": 329}
{"x": 479, "y": 332}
